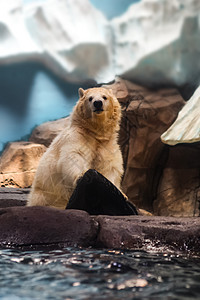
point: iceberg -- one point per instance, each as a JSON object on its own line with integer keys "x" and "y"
{"x": 154, "y": 41}
{"x": 186, "y": 128}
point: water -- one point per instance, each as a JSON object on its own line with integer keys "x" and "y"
{"x": 76, "y": 274}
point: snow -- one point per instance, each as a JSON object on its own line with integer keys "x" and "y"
{"x": 154, "y": 41}
{"x": 186, "y": 128}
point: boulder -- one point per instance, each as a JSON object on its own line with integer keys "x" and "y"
{"x": 178, "y": 192}
{"x": 46, "y": 132}
{"x": 39, "y": 227}
{"x": 147, "y": 114}
{"x": 96, "y": 195}
{"x": 36, "y": 226}
{"x": 149, "y": 233}
{"x": 18, "y": 164}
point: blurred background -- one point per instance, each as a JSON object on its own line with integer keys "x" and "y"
{"x": 49, "y": 48}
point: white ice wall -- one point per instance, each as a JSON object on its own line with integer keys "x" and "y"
{"x": 186, "y": 128}
{"x": 155, "y": 41}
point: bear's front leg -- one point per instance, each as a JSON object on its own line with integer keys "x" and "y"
{"x": 73, "y": 168}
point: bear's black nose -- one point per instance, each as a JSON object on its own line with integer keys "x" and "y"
{"x": 98, "y": 104}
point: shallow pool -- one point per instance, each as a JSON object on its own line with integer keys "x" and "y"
{"x": 74, "y": 273}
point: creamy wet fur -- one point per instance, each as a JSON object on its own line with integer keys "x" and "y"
{"x": 88, "y": 142}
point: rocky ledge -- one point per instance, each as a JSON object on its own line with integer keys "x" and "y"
{"x": 33, "y": 227}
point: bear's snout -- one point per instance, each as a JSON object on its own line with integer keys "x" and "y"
{"x": 98, "y": 104}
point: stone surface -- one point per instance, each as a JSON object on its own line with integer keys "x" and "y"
{"x": 35, "y": 226}
{"x": 96, "y": 195}
{"x": 149, "y": 233}
{"x": 178, "y": 192}
{"x": 154, "y": 42}
{"x": 146, "y": 115}
{"x": 186, "y": 128}
{"x": 161, "y": 179}
{"x": 18, "y": 164}
{"x": 43, "y": 226}
{"x": 10, "y": 197}
{"x": 46, "y": 132}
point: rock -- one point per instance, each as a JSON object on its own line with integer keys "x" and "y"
{"x": 149, "y": 233}
{"x": 34, "y": 227}
{"x": 152, "y": 42}
{"x": 46, "y": 132}
{"x": 146, "y": 115}
{"x": 178, "y": 192}
{"x": 161, "y": 179}
{"x": 186, "y": 128}
{"x": 18, "y": 164}
{"x": 10, "y": 197}
{"x": 96, "y": 195}
{"x": 42, "y": 226}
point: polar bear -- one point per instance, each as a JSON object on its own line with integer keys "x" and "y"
{"x": 90, "y": 141}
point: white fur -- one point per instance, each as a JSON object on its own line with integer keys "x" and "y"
{"x": 88, "y": 142}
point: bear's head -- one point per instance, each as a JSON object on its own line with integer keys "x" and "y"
{"x": 98, "y": 110}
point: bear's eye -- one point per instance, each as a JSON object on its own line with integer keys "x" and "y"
{"x": 90, "y": 99}
{"x": 104, "y": 97}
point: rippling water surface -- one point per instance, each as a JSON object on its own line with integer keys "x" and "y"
{"x": 74, "y": 273}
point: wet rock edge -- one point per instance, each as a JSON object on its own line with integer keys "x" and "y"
{"x": 45, "y": 227}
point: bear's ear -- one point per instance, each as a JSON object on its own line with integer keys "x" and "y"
{"x": 81, "y": 92}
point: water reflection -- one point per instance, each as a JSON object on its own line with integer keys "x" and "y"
{"x": 97, "y": 274}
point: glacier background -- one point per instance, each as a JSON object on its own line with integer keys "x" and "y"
{"x": 49, "y": 48}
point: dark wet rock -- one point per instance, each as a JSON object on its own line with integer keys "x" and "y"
{"x": 98, "y": 196}
{"x": 149, "y": 233}
{"x": 43, "y": 226}
{"x": 13, "y": 197}
{"x": 29, "y": 226}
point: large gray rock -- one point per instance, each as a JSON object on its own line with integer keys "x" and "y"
{"x": 45, "y": 226}
{"x": 30, "y": 226}
{"x": 149, "y": 233}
